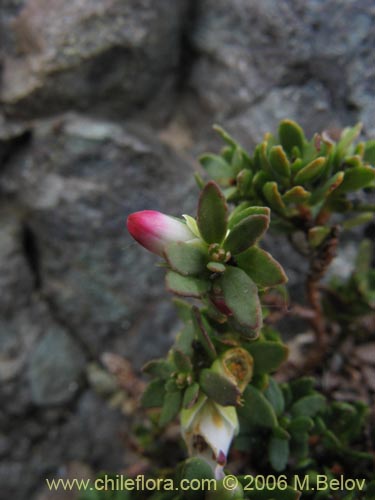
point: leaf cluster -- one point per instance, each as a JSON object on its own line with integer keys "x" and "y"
{"x": 187, "y": 371}
{"x": 303, "y": 181}
{"x": 297, "y": 431}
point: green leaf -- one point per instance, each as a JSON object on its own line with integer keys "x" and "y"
{"x": 182, "y": 361}
{"x": 327, "y": 188}
{"x": 217, "y": 168}
{"x": 317, "y": 235}
{"x": 240, "y": 161}
{"x": 186, "y": 286}
{"x": 302, "y": 386}
{"x": 296, "y": 194}
{"x": 212, "y": 214}
{"x": 202, "y": 333}
{"x": 357, "y": 178}
{"x": 278, "y": 453}
{"x": 185, "y": 338}
{"x": 244, "y": 179}
{"x": 170, "y": 408}
{"x": 370, "y": 490}
{"x": 311, "y": 172}
{"x": 199, "y": 180}
{"x": 225, "y": 136}
{"x": 183, "y": 309}
{"x": 160, "y": 368}
{"x": 369, "y": 154}
{"x": 301, "y": 446}
{"x": 308, "y": 406}
{"x": 259, "y": 180}
{"x": 360, "y": 219}
{"x": 197, "y": 469}
{"x": 291, "y": 135}
{"x": 190, "y": 395}
{"x": 257, "y": 411}
{"x": 280, "y": 432}
{"x": 221, "y": 492}
{"x": 216, "y": 267}
{"x": 153, "y": 395}
{"x": 268, "y": 355}
{"x": 348, "y": 136}
{"x": 246, "y": 233}
{"x": 263, "y": 158}
{"x": 279, "y": 162}
{"x": 186, "y": 258}
{"x": 231, "y": 194}
{"x": 353, "y": 161}
{"x": 192, "y": 223}
{"x": 300, "y": 425}
{"x": 218, "y": 388}
{"x": 275, "y": 396}
{"x": 297, "y": 165}
{"x": 262, "y": 268}
{"x": 273, "y": 197}
{"x": 241, "y": 296}
{"x": 240, "y": 214}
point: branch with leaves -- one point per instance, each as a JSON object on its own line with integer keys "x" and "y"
{"x": 217, "y": 377}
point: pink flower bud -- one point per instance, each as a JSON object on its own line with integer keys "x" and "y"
{"x": 154, "y": 230}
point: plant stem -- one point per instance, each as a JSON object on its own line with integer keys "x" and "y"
{"x": 320, "y": 260}
{"x": 317, "y": 321}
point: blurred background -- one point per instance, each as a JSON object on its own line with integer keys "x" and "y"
{"x": 105, "y": 105}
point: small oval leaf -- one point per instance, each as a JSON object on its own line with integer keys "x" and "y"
{"x": 246, "y": 233}
{"x": 241, "y": 297}
{"x": 279, "y": 162}
{"x": 273, "y": 196}
{"x": 212, "y": 214}
{"x": 186, "y": 286}
{"x": 291, "y": 135}
{"x": 257, "y": 411}
{"x": 186, "y": 258}
{"x": 262, "y": 268}
{"x": 218, "y": 388}
{"x": 268, "y": 355}
{"x": 311, "y": 171}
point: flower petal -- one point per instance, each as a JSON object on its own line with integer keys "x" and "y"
{"x": 153, "y": 230}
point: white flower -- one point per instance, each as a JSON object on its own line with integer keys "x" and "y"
{"x": 208, "y": 430}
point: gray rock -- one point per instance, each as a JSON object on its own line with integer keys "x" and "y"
{"x": 55, "y": 368}
{"x": 67, "y": 184}
{"x": 16, "y": 280}
{"x": 249, "y": 49}
{"x": 110, "y": 56}
{"x": 291, "y": 102}
{"x": 40, "y": 445}
{"x": 77, "y": 185}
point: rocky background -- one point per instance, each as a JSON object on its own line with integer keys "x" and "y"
{"x": 104, "y": 106}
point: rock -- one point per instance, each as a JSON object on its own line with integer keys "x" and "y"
{"x": 72, "y": 283}
{"x": 16, "y": 279}
{"x": 77, "y": 184}
{"x": 91, "y": 435}
{"x": 292, "y": 101}
{"x": 55, "y": 368}
{"x": 252, "y": 49}
{"x": 4, "y": 445}
{"x": 110, "y": 56}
